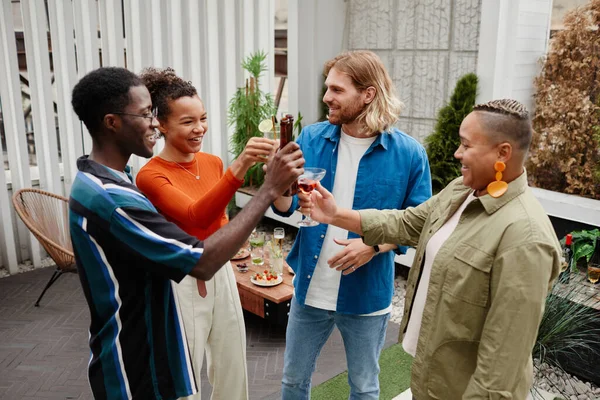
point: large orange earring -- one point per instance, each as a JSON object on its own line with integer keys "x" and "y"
{"x": 498, "y": 187}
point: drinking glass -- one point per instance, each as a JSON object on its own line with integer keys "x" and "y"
{"x": 272, "y": 135}
{"x": 593, "y": 272}
{"x": 307, "y": 182}
{"x": 277, "y": 250}
{"x": 257, "y": 242}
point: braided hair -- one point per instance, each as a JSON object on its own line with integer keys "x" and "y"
{"x": 164, "y": 86}
{"x": 506, "y": 119}
{"x": 504, "y": 106}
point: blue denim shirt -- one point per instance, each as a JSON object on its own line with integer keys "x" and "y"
{"x": 392, "y": 174}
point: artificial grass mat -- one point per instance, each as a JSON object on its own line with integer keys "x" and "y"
{"x": 394, "y": 377}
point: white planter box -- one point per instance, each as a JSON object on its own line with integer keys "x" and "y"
{"x": 241, "y": 199}
{"x": 569, "y": 207}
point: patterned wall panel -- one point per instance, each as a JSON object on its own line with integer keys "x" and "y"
{"x": 406, "y": 24}
{"x": 402, "y": 75}
{"x": 429, "y": 84}
{"x": 421, "y": 128}
{"x": 433, "y": 24}
{"x": 460, "y": 64}
{"x": 467, "y": 15}
{"x": 370, "y": 24}
{"x": 435, "y": 43}
{"x": 386, "y": 59}
{"x": 405, "y": 125}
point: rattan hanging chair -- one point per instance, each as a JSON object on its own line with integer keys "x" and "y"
{"x": 46, "y": 215}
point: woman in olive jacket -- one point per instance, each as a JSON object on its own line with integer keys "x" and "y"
{"x": 486, "y": 258}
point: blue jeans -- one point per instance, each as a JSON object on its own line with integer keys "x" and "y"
{"x": 307, "y": 331}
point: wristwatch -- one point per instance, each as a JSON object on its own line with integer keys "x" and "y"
{"x": 376, "y": 247}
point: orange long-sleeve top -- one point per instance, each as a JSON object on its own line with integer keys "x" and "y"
{"x": 196, "y": 206}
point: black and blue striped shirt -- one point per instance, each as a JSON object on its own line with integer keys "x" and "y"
{"x": 128, "y": 257}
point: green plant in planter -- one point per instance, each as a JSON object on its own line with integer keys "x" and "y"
{"x": 248, "y": 107}
{"x": 568, "y": 330}
{"x": 298, "y": 125}
{"x": 582, "y": 246}
{"x": 444, "y": 141}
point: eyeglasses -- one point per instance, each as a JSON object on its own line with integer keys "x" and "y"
{"x": 150, "y": 115}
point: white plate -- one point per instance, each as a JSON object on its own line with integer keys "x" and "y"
{"x": 243, "y": 253}
{"x": 267, "y": 283}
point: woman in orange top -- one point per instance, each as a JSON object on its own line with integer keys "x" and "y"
{"x": 189, "y": 188}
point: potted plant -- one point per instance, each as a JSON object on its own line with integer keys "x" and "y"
{"x": 568, "y": 338}
{"x": 582, "y": 247}
{"x": 248, "y": 107}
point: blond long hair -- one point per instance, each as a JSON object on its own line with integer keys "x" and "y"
{"x": 366, "y": 69}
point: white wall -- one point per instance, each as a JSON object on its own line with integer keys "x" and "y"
{"x": 511, "y": 45}
{"x": 315, "y": 35}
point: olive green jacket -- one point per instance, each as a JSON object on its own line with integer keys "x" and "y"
{"x": 486, "y": 293}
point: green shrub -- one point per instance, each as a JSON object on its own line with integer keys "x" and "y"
{"x": 444, "y": 141}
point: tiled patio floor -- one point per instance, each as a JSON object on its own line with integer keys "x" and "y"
{"x": 44, "y": 352}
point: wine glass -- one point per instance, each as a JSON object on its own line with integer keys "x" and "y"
{"x": 307, "y": 182}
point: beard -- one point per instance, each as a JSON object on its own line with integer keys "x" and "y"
{"x": 345, "y": 115}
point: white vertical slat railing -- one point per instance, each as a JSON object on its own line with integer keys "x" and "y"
{"x": 138, "y": 42}
{"x": 16, "y": 240}
{"x": 214, "y": 106}
{"x": 85, "y": 16}
{"x": 204, "y": 42}
{"x": 196, "y": 50}
{"x": 111, "y": 28}
{"x": 42, "y": 98}
{"x": 265, "y": 34}
{"x": 65, "y": 73}
{"x": 231, "y": 56}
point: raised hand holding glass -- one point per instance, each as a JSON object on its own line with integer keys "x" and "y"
{"x": 307, "y": 182}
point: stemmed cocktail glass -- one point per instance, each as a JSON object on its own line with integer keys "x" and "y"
{"x": 307, "y": 182}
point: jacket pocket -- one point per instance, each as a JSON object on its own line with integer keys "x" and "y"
{"x": 468, "y": 277}
{"x": 452, "y": 365}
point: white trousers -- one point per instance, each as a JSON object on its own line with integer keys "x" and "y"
{"x": 215, "y": 324}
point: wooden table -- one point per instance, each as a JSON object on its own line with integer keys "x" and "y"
{"x": 271, "y": 303}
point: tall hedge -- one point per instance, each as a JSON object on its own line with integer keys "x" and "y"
{"x": 444, "y": 141}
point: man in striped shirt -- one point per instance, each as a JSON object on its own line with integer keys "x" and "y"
{"x": 128, "y": 256}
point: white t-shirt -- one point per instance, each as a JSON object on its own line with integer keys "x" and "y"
{"x": 325, "y": 283}
{"x": 433, "y": 246}
{"x": 122, "y": 174}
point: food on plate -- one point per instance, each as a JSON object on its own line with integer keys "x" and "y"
{"x": 242, "y": 253}
{"x": 266, "y": 276}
